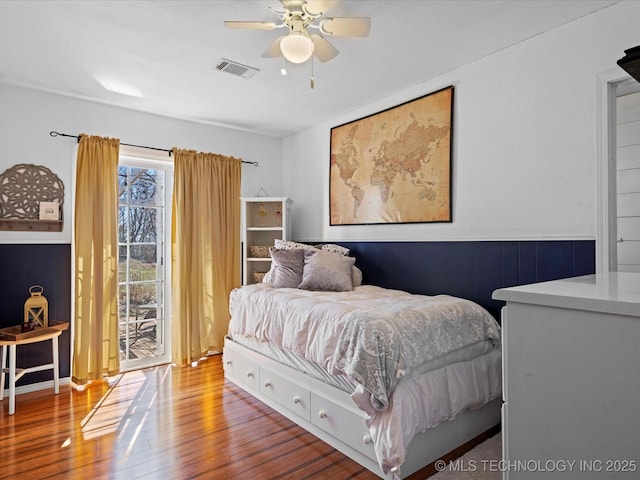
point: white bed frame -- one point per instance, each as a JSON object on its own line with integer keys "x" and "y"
{"x": 330, "y": 414}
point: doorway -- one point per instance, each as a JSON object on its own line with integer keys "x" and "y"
{"x": 143, "y": 269}
{"x": 627, "y": 185}
{"x": 611, "y": 86}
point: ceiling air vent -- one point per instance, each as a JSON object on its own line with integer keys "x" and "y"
{"x": 235, "y": 68}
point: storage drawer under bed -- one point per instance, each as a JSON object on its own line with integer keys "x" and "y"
{"x": 241, "y": 368}
{"x": 287, "y": 393}
{"x": 343, "y": 423}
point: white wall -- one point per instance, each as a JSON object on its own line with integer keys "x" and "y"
{"x": 524, "y": 147}
{"x": 27, "y": 117}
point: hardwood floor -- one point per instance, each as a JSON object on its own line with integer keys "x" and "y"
{"x": 163, "y": 423}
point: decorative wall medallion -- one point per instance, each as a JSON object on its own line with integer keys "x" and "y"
{"x": 24, "y": 186}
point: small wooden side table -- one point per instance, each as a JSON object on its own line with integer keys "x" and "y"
{"x": 10, "y": 339}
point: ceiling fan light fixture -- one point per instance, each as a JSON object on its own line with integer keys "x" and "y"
{"x": 296, "y": 47}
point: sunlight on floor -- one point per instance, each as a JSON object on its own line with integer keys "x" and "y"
{"x": 132, "y": 395}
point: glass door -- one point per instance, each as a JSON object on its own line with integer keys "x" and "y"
{"x": 142, "y": 269}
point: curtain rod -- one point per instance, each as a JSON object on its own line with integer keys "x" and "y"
{"x": 58, "y": 134}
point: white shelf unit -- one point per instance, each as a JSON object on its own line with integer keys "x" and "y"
{"x": 263, "y": 220}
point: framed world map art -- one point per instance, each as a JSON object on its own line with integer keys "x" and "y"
{"x": 394, "y": 166}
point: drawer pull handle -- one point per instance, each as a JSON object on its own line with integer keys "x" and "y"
{"x": 367, "y": 440}
{"x": 267, "y": 383}
{"x": 250, "y": 374}
{"x": 296, "y": 399}
{"x": 322, "y": 414}
{"x": 228, "y": 363}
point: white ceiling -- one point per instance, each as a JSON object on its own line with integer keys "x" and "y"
{"x": 168, "y": 51}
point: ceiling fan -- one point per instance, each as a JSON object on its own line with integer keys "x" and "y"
{"x": 298, "y": 16}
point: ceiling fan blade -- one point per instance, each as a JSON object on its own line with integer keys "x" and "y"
{"x": 250, "y": 25}
{"x": 322, "y": 49}
{"x": 274, "y": 49}
{"x": 320, "y": 7}
{"x": 346, "y": 26}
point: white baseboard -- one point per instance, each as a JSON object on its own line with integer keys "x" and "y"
{"x": 34, "y": 387}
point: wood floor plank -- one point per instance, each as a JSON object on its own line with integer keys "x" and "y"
{"x": 169, "y": 423}
{"x": 163, "y": 422}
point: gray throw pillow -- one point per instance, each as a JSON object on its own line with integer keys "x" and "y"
{"x": 287, "y": 267}
{"x": 356, "y": 276}
{"x": 326, "y": 271}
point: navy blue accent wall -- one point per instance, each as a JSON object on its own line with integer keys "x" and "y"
{"x": 470, "y": 270}
{"x": 473, "y": 269}
{"x": 22, "y": 266}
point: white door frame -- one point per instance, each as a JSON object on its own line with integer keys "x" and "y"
{"x": 605, "y": 164}
{"x": 143, "y": 158}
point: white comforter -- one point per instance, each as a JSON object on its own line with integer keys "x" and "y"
{"x": 417, "y": 360}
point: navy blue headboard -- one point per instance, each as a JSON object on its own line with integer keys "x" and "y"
{"x": 472, "y": 269}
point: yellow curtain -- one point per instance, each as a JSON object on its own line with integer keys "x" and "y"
{"x": 205, "y": 251}
{"x": 96, "y": 351}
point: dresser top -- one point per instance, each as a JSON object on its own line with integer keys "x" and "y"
{"x": 613, "y": 292}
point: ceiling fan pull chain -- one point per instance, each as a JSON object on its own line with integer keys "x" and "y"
{"x": 313, "y": 81}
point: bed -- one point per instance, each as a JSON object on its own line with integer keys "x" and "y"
{"x": 391, "y": 379}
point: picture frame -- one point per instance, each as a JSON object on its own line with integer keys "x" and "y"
{"x": 394, "y": 166}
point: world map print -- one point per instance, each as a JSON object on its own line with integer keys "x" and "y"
{"x": 394, "y": 166}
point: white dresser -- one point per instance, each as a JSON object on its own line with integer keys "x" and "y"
{"x": 571, "y": 378}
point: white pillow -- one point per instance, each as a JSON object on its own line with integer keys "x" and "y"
{"x": 289, "y": 245}
{"x": 332, "y": 247}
